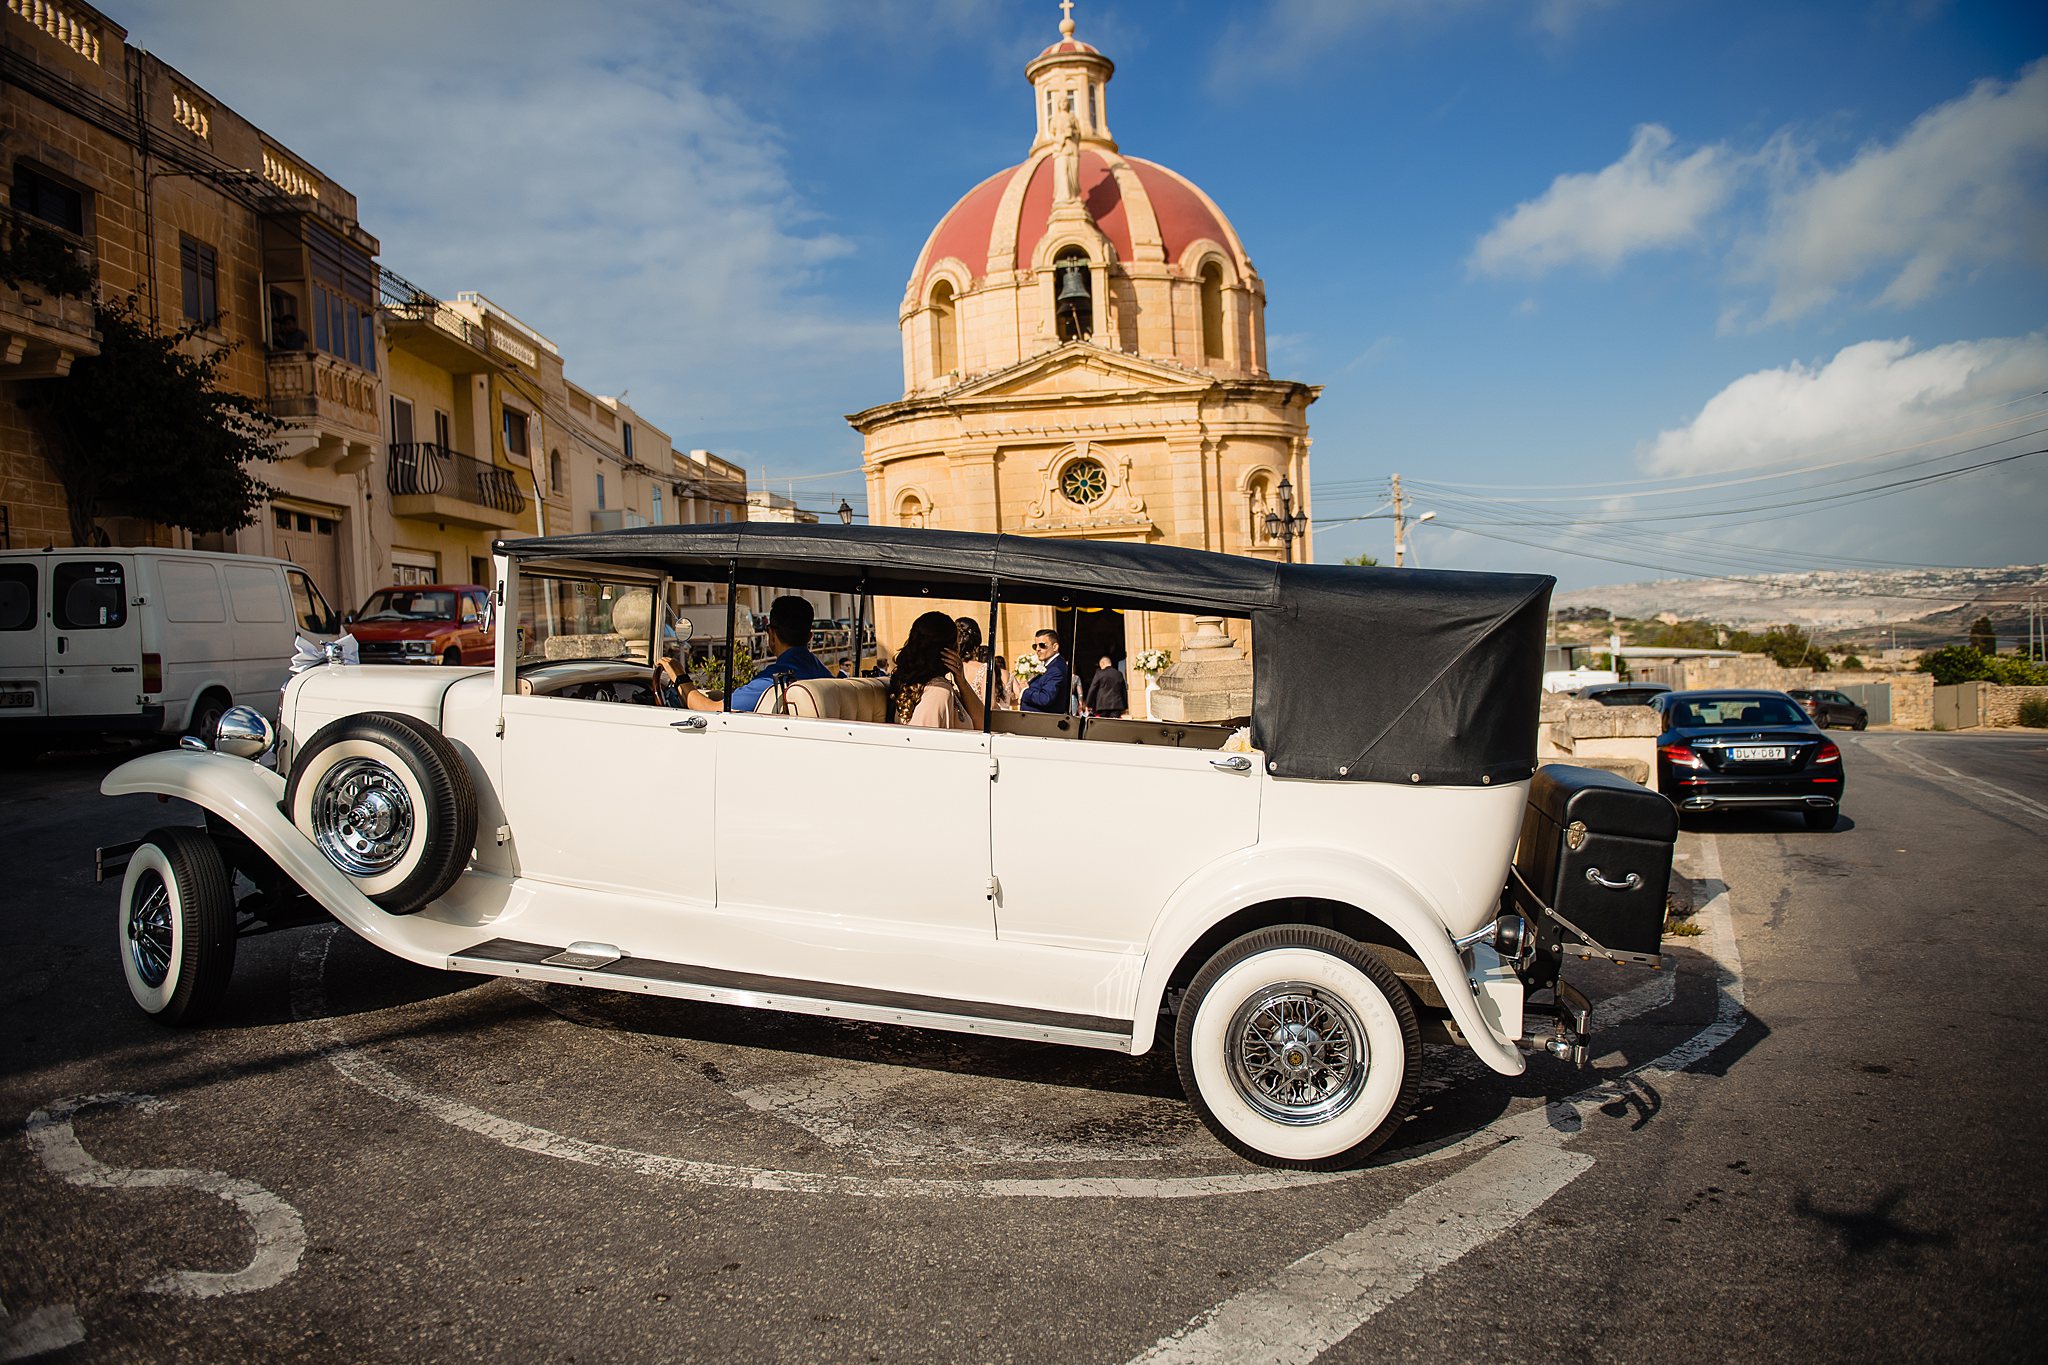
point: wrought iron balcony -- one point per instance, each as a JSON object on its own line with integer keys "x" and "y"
{"x": 428, "y": 470}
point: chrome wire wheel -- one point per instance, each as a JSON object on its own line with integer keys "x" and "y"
{"x": 1298, "y": 1055}
{"x": 151, "y": 939}
{"x": 362, "y": 817}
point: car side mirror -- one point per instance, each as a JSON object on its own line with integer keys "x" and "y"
{"x": 348, "y": 618}
{"x": 489, "y": 614}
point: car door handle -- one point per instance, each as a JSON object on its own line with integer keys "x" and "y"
{"x": 689, "y": 723}
{"x": 1236, "y": 763}
{"x": 1628, "y": 883}
{"x": 62, "y": 644}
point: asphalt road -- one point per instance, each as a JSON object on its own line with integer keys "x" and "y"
{"x": 1820, "y": 1137}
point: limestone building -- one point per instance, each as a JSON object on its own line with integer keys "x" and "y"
{"x": 150, "y": 187}
{"x": 1084, "y": 355}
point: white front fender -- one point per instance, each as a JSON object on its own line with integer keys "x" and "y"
{"x": 247, "y": 797}
{"x": 1267, "y": 873}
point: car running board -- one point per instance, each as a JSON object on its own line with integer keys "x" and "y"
{"x": 716, "y": 985}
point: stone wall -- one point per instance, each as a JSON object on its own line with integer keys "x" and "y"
{"x": 2002, "y": 704}
{"x": 1912, "y": 693}
{"x": 1620, "y": 739}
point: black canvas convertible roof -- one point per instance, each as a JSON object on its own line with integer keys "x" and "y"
{"x": 1416, "y": 676}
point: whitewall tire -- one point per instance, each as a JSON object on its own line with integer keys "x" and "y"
{"x": 177, "y": 926}
{"x": 387, "y": 800}
{"x": 1299, "y": 1048}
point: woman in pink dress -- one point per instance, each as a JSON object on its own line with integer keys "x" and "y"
{"x": 929, "y": 684}
{"x": 975, "y": 663}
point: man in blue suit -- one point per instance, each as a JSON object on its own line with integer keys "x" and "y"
{"x": 1049, "y": 690}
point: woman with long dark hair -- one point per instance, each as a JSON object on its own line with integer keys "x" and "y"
{"x": 928, "y": 686}
{"x": 975, "y": 659}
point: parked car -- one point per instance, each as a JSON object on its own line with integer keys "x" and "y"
{"x": 1623, "y": 694}
{"x": 1743, "y": 750}
{"x": 147, "y": 640}
{"x": 1829, "y": 707}
{"x": 1290, "y": 912}
{"x": 425, "y": 623}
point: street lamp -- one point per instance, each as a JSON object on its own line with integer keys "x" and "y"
{"x": 845, "y": 513}
{"x": 1286, "y": 525}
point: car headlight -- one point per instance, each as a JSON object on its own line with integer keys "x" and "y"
{"x": 243, "y": 733}
{"x": 417, "y": 646}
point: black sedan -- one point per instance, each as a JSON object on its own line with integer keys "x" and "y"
{"x": 1623, "y": 694}
{"x": 1730, "y": 750}
{"x": 1829, "y": 707}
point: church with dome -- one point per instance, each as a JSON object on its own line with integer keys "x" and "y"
{"x": 1084, "y": 356}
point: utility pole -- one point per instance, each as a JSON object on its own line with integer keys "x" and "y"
{"x": 1400, "y": 526}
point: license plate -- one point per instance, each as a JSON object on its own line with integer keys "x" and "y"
{"x": 17, "y": 699}
{"x": 1758, "y": 755}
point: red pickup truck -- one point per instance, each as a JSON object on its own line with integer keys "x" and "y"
{"x": 424, "y": 623}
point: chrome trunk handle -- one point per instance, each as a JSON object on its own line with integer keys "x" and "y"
{"x": 1628, "y": 883}
{"x": 1236, "y": 763}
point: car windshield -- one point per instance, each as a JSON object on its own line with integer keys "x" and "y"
{"x": 1726, "y": 712}
{"x": 408, "y": 604}
{"x": 584, "y": 618}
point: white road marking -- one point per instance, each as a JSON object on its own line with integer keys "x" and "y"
{"x": 279, "y": 1234}
{"x": 1899, "y": 752}
{"x": 39, "y": 1332}
{"x": 309, "y": 1008}
{"x": 1322, "y": 1298}
{"x": 1304, "y": 1309}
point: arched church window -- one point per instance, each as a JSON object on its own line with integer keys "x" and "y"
{"x": 1084, "y": 481}
{"x": 1212, "y": 311}
{"x": 945, "y": 344}
{"x": 1073, "y": 295}
{"x": 1094, "y": 118}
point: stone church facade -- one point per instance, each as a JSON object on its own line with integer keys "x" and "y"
{"x": 1084, "y": 356}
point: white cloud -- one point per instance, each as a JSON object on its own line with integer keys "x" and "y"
{"x": 1870, "y": 397}
{"x": 1965, "y": 185}
{"x": 586, "y": 170}
{"x": 1651, "y": 198}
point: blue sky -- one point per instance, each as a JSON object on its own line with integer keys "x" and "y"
{"x": 1647, "y": 244}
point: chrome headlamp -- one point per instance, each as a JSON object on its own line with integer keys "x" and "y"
{"x": 244, "y": 733}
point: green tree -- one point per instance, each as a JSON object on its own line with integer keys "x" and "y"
{"x": 1956, "y": 664}
{"x": 1791, "y": 647}
{"x": 1362, "y": 560}
{"x": 143, "y": 429}
{"x": 1983, "y": 638}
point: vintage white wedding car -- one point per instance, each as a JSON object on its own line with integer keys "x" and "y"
{"x": 1294, "y": 916}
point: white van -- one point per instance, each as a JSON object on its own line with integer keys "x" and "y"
{"x": 146, "y": 639}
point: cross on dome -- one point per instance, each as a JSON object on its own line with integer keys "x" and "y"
{"x": 1066, "y": 18}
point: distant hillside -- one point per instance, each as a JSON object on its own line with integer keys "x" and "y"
{"x": 1940, "y": 601}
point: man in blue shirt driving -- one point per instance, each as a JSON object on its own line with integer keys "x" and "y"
{"x": 789, "y": 635}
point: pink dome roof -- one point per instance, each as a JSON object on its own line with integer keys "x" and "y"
{"x": 1184, "y": 214}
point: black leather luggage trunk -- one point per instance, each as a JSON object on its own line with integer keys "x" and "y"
{"x": 1596, "y": 848}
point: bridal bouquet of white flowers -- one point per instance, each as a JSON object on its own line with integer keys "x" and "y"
{"x": 1028, "y": 667}
{"x": 1152, "y": 661}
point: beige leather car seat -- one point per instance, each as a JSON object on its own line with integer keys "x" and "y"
{"x": 857, "y": 699}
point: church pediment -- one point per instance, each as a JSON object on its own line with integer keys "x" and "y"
{"x": 1078, "y": 368}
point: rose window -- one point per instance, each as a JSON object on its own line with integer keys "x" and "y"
{"x": 1084, "y": 482}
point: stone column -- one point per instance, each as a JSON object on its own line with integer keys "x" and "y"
{"x": 1209, "y": 683}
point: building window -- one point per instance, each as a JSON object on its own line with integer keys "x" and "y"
{"x": 199, "y": 267}
{"x": 1084, "y": 482}
{"x": 554, "y": 471}
{"x": 626, "y": 438}
{"x": 1212, "y": 311}
{"x": 55, "y": 203}
{"x": 1094, "y": 117}
{"x": 344, "y": 322}
{"x": 600, "y": 490}
{"x": 515, "y": 433}
{"x": 657, "y": 507}
{"x": 945, "y": 336}
{"x": 443, "y": 437}
{"x": 401, "y": 421}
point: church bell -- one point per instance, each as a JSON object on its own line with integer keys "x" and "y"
{"x": 1073, "y": 281}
